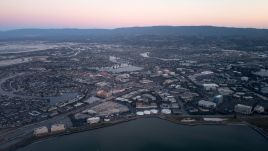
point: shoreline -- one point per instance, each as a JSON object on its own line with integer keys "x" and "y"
{"x": 73, "y": 130}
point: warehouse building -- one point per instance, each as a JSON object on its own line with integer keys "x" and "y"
{"x": 41, "y": 131}
{"x": 166, "y": 111}
{"x": 207, "y": 104}
{"x": 243, "y": 109}
{"x": 259, "y": 109}
{"x": 93, "y": 120}
{"x": 210, "y": 87}
{"x": 57, "y": 128}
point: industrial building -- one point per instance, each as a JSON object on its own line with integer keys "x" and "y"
{"x": 207, "y": 104}
{"x": 166, "y": 111}
{"x": 57, "y": 128}
{"x": 209, "y": 87}
{"x": 154, "y": 111}
{"x": 41, "y": 131}
{"x": 140, "y": 113}
{"x": 93, "y": 120}
{"x": 243, "y": 109}
{"x": 259, "y": 109}
{"x": 147, "y": 112}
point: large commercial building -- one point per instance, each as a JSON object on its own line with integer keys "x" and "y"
{"x": 93, "y": 120}
{"x": 206, "y": 104}
{"x": 211, "y": 86}
{"x": 166, "y": 111}
{"x": 243, "y": 109}
{"x": 259, "y": 109}
{"x": 41, "y": 131}
{"x": 57, "y": 128}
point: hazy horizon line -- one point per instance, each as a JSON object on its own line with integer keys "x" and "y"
{"x": 113, "y": 28}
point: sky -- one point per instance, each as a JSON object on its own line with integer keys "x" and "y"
{"x": 127, "y": 13}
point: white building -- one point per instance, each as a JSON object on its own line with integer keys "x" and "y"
{"x": 154, "y": 111}
{"x": 146, "y": 112}
{"x": 140, "y": 113}
{"x": 123, "y": 100}
{"x": 259, "y": 109}
{"x": 243, "y": 109}
{"x": 165, "y": 75}
{"x": 166, "y": 111}
{"x": 107, "y": 120}
{"x": 172, "y": 73}
{"x": 93, "y": 120}
{"x": 40, "y": 131}
{"x": 206, "y": 72}
{"x": 57, "y": 128}
{"x": 206, "y": 104}
{"x": 211, "y": 86}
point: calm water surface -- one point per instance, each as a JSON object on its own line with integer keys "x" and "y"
{"x": 156, "y": 135}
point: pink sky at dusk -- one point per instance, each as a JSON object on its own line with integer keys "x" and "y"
{"x": 122, "y": 13}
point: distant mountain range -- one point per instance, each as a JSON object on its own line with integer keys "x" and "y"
{"x": 204, "y": 31}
